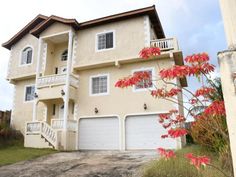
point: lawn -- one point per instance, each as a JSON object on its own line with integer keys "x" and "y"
{"x": 180, "y": 166}
{"x": 14, "y": 153}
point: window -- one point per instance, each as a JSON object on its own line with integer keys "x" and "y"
{"x": 99, "y": 85}
{"x": 105, "y": 41}
{"x": 29, "y": 93}
{"x": 26, "y": 56}
{"x": 145, "y": 83}
{"x": 64, "y": 55}
{"x": 54, "y": 109}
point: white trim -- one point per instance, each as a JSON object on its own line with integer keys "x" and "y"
{"x": 31, "y": 101}
{"x": 108, "y": 85}
{"x": 144, "y": 69}
{"x": 55, "y": 34}
{"x": 20, "y": 56}
{"x": 104, "y": 32}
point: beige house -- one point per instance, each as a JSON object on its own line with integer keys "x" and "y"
{"x": 64, "y": 73}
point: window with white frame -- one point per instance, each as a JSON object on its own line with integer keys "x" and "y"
{"x": 26, "y": 56}
{"x": 99, "y": 84}
{"x": 64, "y": 55}
{"x": 29, "y": 93}
{"x": 105, "y": 41}
{"x": 145, "y": 83}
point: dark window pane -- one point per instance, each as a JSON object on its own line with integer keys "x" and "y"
{"x": 109, "y": 40}
{"x": 29, "y": 56}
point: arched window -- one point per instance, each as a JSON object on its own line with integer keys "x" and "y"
{"x": 64, "y": 55}
{"x": 26, "y": 56}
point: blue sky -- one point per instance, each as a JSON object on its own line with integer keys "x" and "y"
{"x": 197, "y": 24}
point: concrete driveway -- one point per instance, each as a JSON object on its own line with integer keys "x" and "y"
{"x": 82, "y": 164}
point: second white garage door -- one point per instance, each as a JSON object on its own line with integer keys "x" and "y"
{"x": 144, "y": 132}
{"x": 99, "y": 133}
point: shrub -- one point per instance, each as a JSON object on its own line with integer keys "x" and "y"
{"x": 180, "y": 166}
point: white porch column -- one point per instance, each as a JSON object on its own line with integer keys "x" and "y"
{"x": 36, "y": 79}
{"x": 67, "y": 86}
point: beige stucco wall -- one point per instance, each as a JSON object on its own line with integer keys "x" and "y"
{"x": 129, "y": 40}
{"x": 54, "y": 52}
{"x": 23, "y": 111}
{"x": 119, "y": 101}
{"x": 55, "y": 28}
{"x": 15, "y": 69}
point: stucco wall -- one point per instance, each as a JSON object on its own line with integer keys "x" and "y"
{"x": 119, "y": 101}
{"x": 22, "y": 110}
{"x": 129, "y": 40}
{"x": 55, "y": 28}
{"x": 54, "y": 52}
{"x": 15, "y": 69}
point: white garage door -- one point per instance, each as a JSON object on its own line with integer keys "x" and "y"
{"x": 144, "y": 132}
{"x": 99, "y": 133}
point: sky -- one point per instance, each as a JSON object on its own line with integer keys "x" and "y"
{"x": 197, "y": 24}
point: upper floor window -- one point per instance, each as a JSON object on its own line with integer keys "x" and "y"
{"x": 145, "y": 83}
{"x": 105, "y": 41}
{"x": 29, "y": 93}
{"x": 64, "y": 55}
{"x": 99, "y": 85}
{"x": 26, "y": 56}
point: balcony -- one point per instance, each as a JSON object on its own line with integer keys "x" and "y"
{"x": 166, "y": 44}
{"x": 57, "y": 79}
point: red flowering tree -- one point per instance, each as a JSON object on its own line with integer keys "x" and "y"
{"x": 207, "y": 100}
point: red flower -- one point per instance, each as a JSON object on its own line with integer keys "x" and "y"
{"x": 204, "y": 91}
{"x": 173, "y": 111}
{"x": 149, "y": 52}
{"x": 164, "y": 116}
{"x": 133, "y": 80}
{"x": 197, "y": 161}
{"x": 161, "y": 93}
{"x": 217, "y": 108}
{"x": 164, "y": 136}
{"x": 193, "y": 101}
{"x": 177, "y": 132}
{"x": 165, "y": 126}
{"x": 166, "y": 154}
{"x": 175, "y": 71}
{"x": 197, "y": 58}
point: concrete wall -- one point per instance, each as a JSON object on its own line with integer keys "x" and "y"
{"x": 227, "y": 62}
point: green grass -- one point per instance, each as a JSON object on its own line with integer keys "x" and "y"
{"x": 16, "y": 152}
{"x": 180, "y": 166}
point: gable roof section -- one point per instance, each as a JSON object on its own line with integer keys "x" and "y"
{"x": 41, "y": 23}
{"x": 18, "y": 36}
{"x": 52, "y": 19}
{"x": 150, "y": 11}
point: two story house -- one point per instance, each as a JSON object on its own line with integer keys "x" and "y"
{"x": 64, "y": 73}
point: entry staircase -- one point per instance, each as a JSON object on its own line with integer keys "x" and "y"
{"x": 49, "y": 133}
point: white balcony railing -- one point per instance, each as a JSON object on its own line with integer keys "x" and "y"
{"x": 57, "y": 79}
{"x": 166, "y": 44}
{"x": 58, "y": 124}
